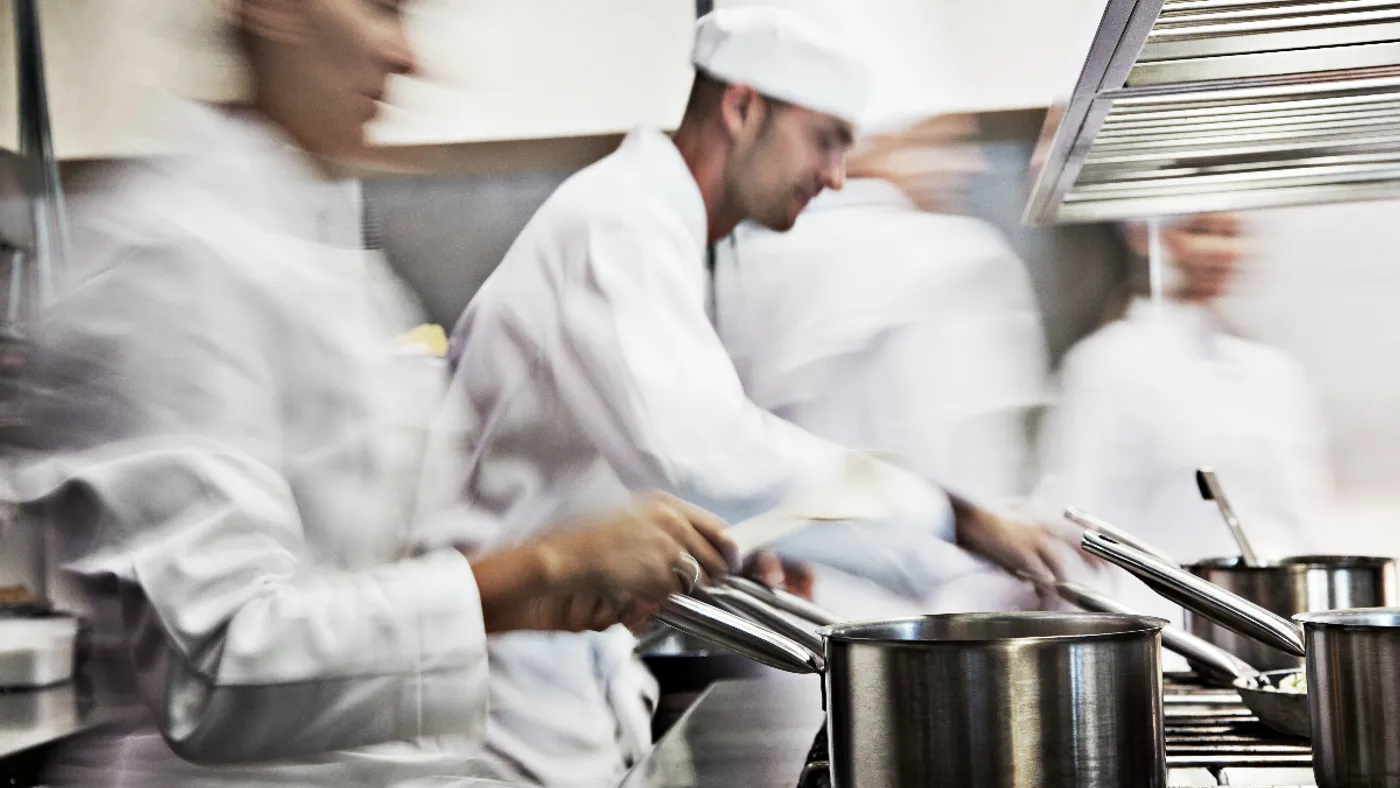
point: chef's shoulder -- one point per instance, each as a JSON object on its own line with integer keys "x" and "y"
{"x": 143, "y": 246}
{"x": 1117, "y": 354}
{"x": 605, "y": 203}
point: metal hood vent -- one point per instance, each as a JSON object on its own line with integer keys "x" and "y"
{"x": 1186, "y": 106}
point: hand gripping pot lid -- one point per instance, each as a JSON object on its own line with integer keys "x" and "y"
{"x": 784, "y": 55}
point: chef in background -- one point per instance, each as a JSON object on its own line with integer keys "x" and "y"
{"x": 1166, "y": 389}
{"x": 233, "y": 455}
{"x": 887, "y": 319}
{"x": 588, "y": 354}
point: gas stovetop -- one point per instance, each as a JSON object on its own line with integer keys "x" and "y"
{"x": 1212, "y": 740}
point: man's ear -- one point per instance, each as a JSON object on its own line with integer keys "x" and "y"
{"x": 273, "y": 20}
{"x": 737, "y": 106}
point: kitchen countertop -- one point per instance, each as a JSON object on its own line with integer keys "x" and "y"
{"x": 33, "y": 718}
{"x": 740, "y": 734}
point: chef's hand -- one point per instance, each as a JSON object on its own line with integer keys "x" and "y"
{"x": 592, "y": 574}
{"x": 774, "y": 571}
{"x": 1019, "y": 548}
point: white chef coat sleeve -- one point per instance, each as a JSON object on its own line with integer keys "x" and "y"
{"x": 162, "y": 424}
{"x": 645, "y": 374}
{"x": 1309, "y": 470}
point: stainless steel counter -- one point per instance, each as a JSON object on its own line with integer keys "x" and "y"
{"x": 740, "y": 734}
{"x": 33, "y": 718}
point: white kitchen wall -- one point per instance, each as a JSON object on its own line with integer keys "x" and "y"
{"x": 1325, "y": 285}
{"x": 960, "y": 55}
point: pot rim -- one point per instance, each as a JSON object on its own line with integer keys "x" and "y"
{"x": 1132, "y": 626}
{"x": 1362, "y": 618}
{"x": 1295, "y": 563}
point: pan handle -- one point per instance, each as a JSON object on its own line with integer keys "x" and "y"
{"x": 741, "y": 604}
{"x": 1193, "y": 593}
{"x": 784, "y": 601}
{"x": 1096, "y": 525}
{"x": 743, "y": 637}
{"x": 1201, "y": 653}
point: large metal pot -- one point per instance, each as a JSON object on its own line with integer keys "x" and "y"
{"x": 1304, "y": 584}
{"x": 1008, "y": 700}
{"x": 1353, "y": 666}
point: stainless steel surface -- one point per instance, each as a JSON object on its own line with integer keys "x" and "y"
{"x": 1354, "y": 694}
{"x": 996, "y": 701}
{"x": 1199, "y": 596}
{"x": 759, "y": 734}
{"x": 1286, "y": 712}
{"x": 1188, "y": 105}
{"x": 739, "y": 635}
{"x": 1211, "y": 490}
{"x": 1097, "y": 525}
{"x": 784, "y": 601}
{"x": 1296, "y": 585}
{"x": 34, "y": 718}
{"x": 1206, "y": 659}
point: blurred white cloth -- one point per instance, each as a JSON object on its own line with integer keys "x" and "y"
{"x": 588, "y": 359}
{"x": 1147, "y": 400}
{"x": 884, "y": 327}
{"x": 230, "y": 455}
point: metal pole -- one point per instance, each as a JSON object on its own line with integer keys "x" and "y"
{"x": 42, "y": 184}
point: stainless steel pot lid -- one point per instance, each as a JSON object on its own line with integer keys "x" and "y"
{"x": 994, "y": 628}
{"x": 1299, "y": 563}
{"x": 1357, "y": 618}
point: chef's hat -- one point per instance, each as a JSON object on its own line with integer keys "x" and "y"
{"x": 784, "y": 55}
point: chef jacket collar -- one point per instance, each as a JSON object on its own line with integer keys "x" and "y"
{"x": 236, "y": 151}
{"x": 659, "y": 157}
{"x": 1200, "y": 325}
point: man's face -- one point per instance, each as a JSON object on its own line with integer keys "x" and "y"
{"x": 792, "y": 155}
{"x": 329, "y": 67}
{"x": 1206, "y": 250}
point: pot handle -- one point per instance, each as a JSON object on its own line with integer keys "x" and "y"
{"x": 743, "y": 637}
{"x": 1096, "y": 525}
{"x": 1200, "y": 652}
{"x": 745, "y": 606}
{"x": 1202, "y": 597}
{"x": 784, "y": 601}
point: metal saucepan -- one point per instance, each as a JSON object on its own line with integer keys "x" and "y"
{"x": 1285, "y": 712}
{"x": 1353, "y": 667}
{"x": 1302, "y": 584}
{"x": 1287, "y": 587}
{"x": 1013, "y": 700}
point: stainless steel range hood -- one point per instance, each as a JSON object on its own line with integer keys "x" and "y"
{"x": 1200, "y": 105}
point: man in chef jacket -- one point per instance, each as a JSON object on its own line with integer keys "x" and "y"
{"x": 589, "y": 363}
{"x": 1168, "y": 388}
{"x": 887, "y": 320}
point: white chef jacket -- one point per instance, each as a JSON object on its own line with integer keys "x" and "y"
{"x": 230, "y": 458}
{"x": 590, "y": 364}
{"x": 1147, "y": 400}
{"x": 882, "y": 326}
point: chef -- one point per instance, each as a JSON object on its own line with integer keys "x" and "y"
{"x": 889, "y": 319}
{"x": 231, "y": 456}
{"x": 589, "y": 361}
{"x": 1169, "y": 388}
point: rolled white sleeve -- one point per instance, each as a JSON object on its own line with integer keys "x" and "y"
{"x": 160, "y": 415}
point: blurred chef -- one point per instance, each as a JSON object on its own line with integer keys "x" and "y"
{"x": 1153, "y": 396}
{"x": 888, "y": 321}
{"x": 232, "y": 457}
{"x": 602, "y": 363}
